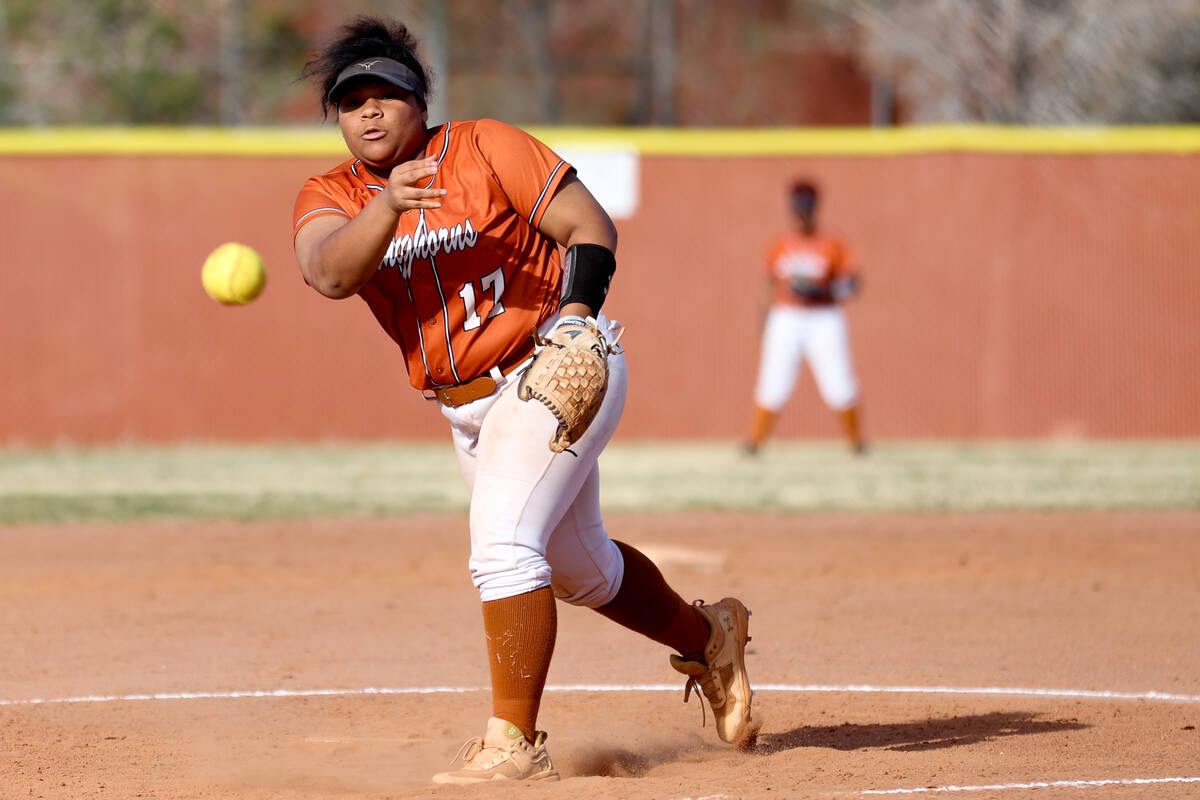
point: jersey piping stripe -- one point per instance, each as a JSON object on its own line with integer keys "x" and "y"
{"x": 546, "y": 188}
{"x": 420, "y": 334}
{"x": 354, "y": 168}
{"x": 437, "y": 278}
{"x": 437, "y": 281}
{"x": 442, "y": 157}
{"x": 322, "y": 210}
{"x": 412, "y": 300}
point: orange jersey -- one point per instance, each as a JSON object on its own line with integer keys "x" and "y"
{"x": 461, "y": 287}
{"x": 818, "y": 258}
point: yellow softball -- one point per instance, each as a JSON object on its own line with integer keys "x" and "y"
{"x": 233, "y": 274}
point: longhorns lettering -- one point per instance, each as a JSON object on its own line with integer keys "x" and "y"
{"x": 426, "y": 243}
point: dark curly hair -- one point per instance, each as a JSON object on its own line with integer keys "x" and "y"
{"x": 804, "y": 188}
{"x": 365, "y": 37}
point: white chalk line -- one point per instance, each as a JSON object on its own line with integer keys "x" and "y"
{"x": 772, "y": 687}
{"x": 653, "y": 687}
{"x": 1001, "y": 787}
{"x": 992, "y": 690}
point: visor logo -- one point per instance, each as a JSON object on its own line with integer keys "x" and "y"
{"x": 369, "y": 64}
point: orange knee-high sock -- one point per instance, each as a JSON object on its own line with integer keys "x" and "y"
{"x": 760, "y": 425}
{"x": 647, "y": 605}
{"x": 850, "y": 424}
{"x": 520, "y": 634}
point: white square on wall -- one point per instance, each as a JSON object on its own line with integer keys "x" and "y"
{"x": 611, "y": 175}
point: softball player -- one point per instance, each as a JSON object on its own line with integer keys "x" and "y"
{"x": 809, "y": 276}
{"x": 451, "y": 235}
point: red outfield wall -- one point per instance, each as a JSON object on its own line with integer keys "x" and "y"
{"x": 1005, "y": 295}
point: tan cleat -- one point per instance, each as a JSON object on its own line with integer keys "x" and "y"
{"x": 503, "y": 754}
{"x": 723, "y": 679}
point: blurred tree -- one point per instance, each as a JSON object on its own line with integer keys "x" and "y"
{"x": 604, "y": 62}
{"x": 656, "y": 66}
{"x": 232, "y": 65}
{"x": 150, "y": 61}
{"x": 437, "y": 56}
{"x": 767, "y": 62}
{"x": 101, "y": 61}
{"x": 1035, "y": 61}
{"x": 274, "y": 47}
{"x": 533, "y": 18}
{"x": 526, "y": 61}
{"x": 8, "y": 83}
{"x": 129, "y": 58}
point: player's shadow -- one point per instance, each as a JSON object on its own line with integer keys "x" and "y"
{"x": 930, "y": 734}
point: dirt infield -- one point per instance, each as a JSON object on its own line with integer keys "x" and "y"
{"x": 998, "y": 655}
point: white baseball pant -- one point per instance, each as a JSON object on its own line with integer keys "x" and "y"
{"x": 535, "y": 515}
{"x": 793, "y": 333}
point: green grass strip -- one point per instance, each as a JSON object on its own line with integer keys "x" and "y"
{"x": 213, "y": 482}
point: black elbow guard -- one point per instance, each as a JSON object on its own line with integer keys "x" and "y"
{"x": 587, "y": 271}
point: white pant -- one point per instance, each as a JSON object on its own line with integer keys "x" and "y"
{"x": 820, "y": 334}
{"x": 535, "y": 515}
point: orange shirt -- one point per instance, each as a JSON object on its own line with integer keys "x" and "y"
{"x": 819, "y": 258}
{"x": 462, "y": 287}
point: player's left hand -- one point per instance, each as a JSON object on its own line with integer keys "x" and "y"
{"x": 569, "y": 375}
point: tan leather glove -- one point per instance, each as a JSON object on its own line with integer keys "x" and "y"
{"x": 569, "y": 375}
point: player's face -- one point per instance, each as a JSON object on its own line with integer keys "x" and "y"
{"x": 382, "y": 124}
{"x": 804, "y": 210}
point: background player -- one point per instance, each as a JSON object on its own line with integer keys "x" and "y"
{"x": 450, "y": 234}
{"x": 809, "y": 274}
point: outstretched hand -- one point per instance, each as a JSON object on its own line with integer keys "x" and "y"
{"x": 401, "y": 193}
